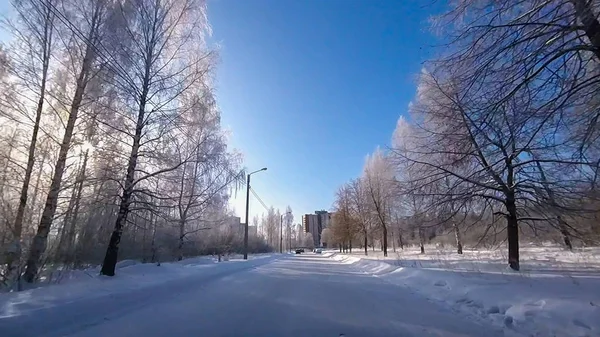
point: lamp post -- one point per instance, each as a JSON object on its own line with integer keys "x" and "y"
{"x": 281, "y": 232}
{"x": 290, "y": 239}
{"x": 247, "y": 209}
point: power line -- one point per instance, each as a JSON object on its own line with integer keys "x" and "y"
{"x": 121, "y": 72}
{"x": 259, "y": 199}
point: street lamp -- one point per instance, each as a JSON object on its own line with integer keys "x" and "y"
{"x": 281, "y": 232}
{"x": 247, "y": 209}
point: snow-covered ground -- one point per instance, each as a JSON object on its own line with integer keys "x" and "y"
{"x": 557, "y": 293}
{"x": 285, "y": 295}
{"x": 79, "y": 285}
{"x": 405, "y": 294}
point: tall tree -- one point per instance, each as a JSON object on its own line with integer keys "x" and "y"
{"x": 379, "y": 180}
{"x": 162, "y": 44}
{"x": 34, "y": 30}
{"x": 91, "y": 15}
{"x": 360, "y": 210}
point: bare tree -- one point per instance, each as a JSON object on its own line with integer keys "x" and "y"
{"x": 379, "y": 180}
{"x": 344, "y": 225}
{"x": 128, "y": 85}
{"x": 84, "y": 54}
{"x": 161, "y": 46}
{"x": 34, "y": 30}
{"x": 482, "y": 147}
{"x": 360, "y": 210}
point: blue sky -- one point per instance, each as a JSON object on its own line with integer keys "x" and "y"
{"x": 309, "y": 87}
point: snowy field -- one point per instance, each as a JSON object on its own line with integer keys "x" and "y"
{"x": 556, "y": 293}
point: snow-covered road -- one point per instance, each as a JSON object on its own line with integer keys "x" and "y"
{"x": 303, "y": 296}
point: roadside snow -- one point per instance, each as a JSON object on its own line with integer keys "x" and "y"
{"x": 77, "y": 285}
{"x": 556, "y": 293}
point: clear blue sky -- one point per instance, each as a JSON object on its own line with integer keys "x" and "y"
{"x": 310, "y": 87}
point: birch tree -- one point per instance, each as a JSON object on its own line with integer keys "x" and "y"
{"x": 163, "y": 47}
{"x": 360, "y": 210}
{"x": 33, "y": 29}
{"x": 90, "y": 17}
{"x": 211, "y": 169}
{"x": 343, "y": 227}
{"x": 379, "y": 181}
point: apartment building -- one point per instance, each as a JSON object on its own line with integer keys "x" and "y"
{"x": 315, "y": 223}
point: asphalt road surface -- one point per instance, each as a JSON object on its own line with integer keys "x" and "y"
{"x": 295, "y": 295}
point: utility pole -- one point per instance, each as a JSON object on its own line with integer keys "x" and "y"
{"x": 247, "y": 212}
{"x": 281, "y": 232}
{"x": 246, "y": 224}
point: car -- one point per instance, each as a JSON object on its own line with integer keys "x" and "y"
{"x": 318, "y": 251}
{"x": 298, "y": 251}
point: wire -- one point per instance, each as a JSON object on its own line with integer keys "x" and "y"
{"x": 259, "y": 199}
{"x": 121, "y": 72}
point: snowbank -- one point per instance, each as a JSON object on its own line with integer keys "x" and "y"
{"x": 556, "y": 294}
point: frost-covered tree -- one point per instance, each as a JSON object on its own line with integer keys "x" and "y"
{"x": 161, "y": 42}
{"x": 378, "y": 177}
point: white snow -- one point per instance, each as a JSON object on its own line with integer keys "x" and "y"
{"x": 557, "y": 293}
{"x": 287, "y": 295}
{"x": 435, "y": 294}
{"x": 78, "y": 285}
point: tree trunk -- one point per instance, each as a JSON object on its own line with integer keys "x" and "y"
{"x": 40, "y": 240}
{"x": 366, "y": 244}
{"x": 181, "y": 237}
{"x": 421, "y": 243}
{"x": 60, "y": 250}
{"x": 153, "y": 248}
{"x": 512, "y": 231}
{"x": 393, "y": 241}
{"x": 385, "y": 243}
{"x": 562, "y": 225}
{"x": 459, "y": 247}
{"x": 144, "y": 249}
{"x": 350, "y": 245}
{"x": 36, "y": 187}
{"x": 400, "y": 241}
{"x": 110, "y": 258}
{"x": 564, "y": 231}
{"x": 4, "y": 177}
{"x": 112, "y": 251}
{"x": 71, "y": 235}
{"x": 585, "y": 14}
{"x": 18, "y": 226}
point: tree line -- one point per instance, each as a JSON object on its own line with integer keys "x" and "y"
{"x": 500, "y": 140}
{"x": 112, "y": 145}
{"x": 278, "y": 229}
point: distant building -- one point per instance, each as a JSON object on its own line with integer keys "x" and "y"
{"x": 252, "y": 231}
{"x": 234, "y": 226}
{"x": 315, "y": 223}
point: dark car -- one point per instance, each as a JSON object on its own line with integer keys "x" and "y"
{"x": 298, "y": 251}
